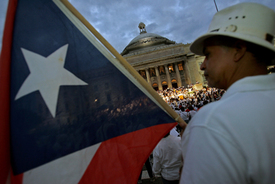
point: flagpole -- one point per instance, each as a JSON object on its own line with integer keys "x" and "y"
{"x": 124, "y": 63}
{"x": 216, "y": 5}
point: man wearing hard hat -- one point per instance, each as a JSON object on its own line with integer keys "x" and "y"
{"x": 233, "y": 140}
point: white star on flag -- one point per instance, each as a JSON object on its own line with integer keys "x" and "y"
{"x": 47, "y": 75}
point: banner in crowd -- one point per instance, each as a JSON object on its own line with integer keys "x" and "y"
{"x": 197, "y": 86}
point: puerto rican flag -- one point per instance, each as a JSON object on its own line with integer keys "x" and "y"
{"x": 69, "y": 112}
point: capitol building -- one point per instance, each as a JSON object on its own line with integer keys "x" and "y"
{"x": 162, "y": 62}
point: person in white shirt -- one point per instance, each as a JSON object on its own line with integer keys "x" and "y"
{"x": 232, "y": 140}
{"x": 192, "y": 112}
{"x": 174, "y": 132}
{"x": 167, "y": 159}
{"x": 184, "y": 115}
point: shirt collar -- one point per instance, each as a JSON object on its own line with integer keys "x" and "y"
{"x": 253, "y": 83}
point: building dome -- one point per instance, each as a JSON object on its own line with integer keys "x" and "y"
{"x": 145, "y": 40}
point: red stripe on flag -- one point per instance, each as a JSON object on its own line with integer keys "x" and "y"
{"x": 5, "y": 92}
{"x": 120, "y": 160}
{"x": 18, "y": 179}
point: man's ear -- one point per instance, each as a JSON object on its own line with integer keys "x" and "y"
{"x": 240, "y": 50}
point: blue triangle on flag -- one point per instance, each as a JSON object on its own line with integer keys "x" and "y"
{"x": 108, "y": 106}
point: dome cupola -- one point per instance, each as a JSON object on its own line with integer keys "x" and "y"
{"x": 145, "y": 40}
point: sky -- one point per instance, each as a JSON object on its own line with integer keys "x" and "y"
{"x": 117, "y": 21}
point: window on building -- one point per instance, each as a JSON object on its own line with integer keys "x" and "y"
{"x": 180, "y": 67}
{"x": 161, "y": 70}
{"x": 164, "y": 83}
{"x": 142, "y": 73}
{"x": 155, "y": 86}
{"x": 152, "y": 72}
{"x": 174, "y": 81}
{"x": 171, "y": 68}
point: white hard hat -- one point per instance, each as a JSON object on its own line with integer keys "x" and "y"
{"x": 250, "y": 22}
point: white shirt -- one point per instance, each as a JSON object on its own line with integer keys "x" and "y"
{"x": 184, "y": 115}
{"x": 233, "y": 140}
{"x": 192, "y": 113}
{"x": 167, "y": 158}
{"x": 174, "y": 132}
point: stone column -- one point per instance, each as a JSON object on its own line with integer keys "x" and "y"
{"x": 178, "y": 75}
{"x": 168, "y": 77}
{"x": 148, "y": 76}
{"x": 158, "y": 78}
{"x": 187, "y": 72}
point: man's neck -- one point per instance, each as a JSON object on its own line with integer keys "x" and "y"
{"x": 247, "y": 66}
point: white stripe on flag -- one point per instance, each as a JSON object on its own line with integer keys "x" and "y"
{"x": 68, "y": 169}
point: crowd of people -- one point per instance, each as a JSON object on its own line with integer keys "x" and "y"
{"x": 186, "y": 101}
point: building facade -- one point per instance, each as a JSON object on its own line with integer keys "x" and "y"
{"x": 162, "y": 62}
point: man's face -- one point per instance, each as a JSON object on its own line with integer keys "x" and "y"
{"x": 217, "y": 65}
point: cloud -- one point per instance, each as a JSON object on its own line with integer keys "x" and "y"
{"x": 179, "y": 20}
